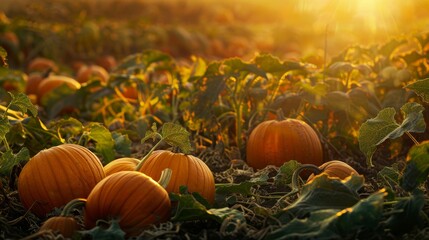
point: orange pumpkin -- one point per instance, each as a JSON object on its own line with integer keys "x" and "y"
{"x": 57, "y": 175}
{"x": 50, "y": 83}
{"x": 187, "y": 170}
{"x": 33, "y": 81}
{"x": 65, "y": 224}
{"x": 121, "y": 164}
{"x": 88, "y": 72}
{"x": 41, "y": 64}
{"x": 275, "y": 142}
{"x": 335, "y": 169}
{"x": 132, "y": 197}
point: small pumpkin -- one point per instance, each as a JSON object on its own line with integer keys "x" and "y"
{"x": 121, "y": 164}
{"x": 132, "y": 197}
{"x": 50, "y": 83}
{"x": 274, "y": 142}
{"x": 187, "y": 170}
{"x": 57, "y": 175}
{"x": 88, "y": 72}
{"x": 65, "y": 223}
{"x": 334, "y": 169}
{"x": 41, "y": 64}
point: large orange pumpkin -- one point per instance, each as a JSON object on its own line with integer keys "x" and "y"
{"x": 187, "y": 170}
{"x": 131, "y": 197}
{"x": 41, "y": 64}
{"x": 275, "y": 142}
{"x": 57, "y": 175}
{"x": 121, "y": 164}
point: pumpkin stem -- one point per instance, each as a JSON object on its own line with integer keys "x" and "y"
{"x": 412, "y": 138}
{"x": 295, "y": 176}
{"x": 70, "y": 206}
{"x": 165, "y": 177}
{"x": 280, "y": 114}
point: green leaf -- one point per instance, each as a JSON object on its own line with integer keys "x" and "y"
{"x": 190, "y": 209}
{"x": 113, "y": 232}
{"x": 243, "y": 187}
{"x": 421, "y": 87}
{"x": 406, "y": 214}
{"x": 284, "y": 175}
{"x": 417, "y": 169}
{"x": 331, "y": 223}
{"x": 4, "y": 128}
{"x": 270, "y": 64}
{"x": 376, "y": 130}
{"x": 389, "y": 176}
{"x": 236, "y": 65}
{"x": 122, "y": 143}
{"x": 177, "y": 136}
{"x": 24, "y": 104}
{"x": 323, "y": 193}
{"x": 105, "y": 144}
{"x": 8, "y": 160}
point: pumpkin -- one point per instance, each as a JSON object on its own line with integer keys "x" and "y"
{"x": 41, "y": 64}
{"x": 132, "y": 197}
{"x": 108, "y": 62}
{"x": 121, "y": 164}
{"x": 88, "y": 72}
{"x": 274, "y": 142}
{"x": 334, "y": 169}
{"x": 50, "y": 83}
{"x": 65, "y": 224}
{"x": 187, "y": 170}
{"x": 33, "y": 81}
{"x": 57, "y": 175}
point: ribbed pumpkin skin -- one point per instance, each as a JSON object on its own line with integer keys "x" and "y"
{"x": 121, "y": 164}
{"x": 67, "y": 226}
{"x": 275, "y": 142}
{"x": 186, "y": 170}
{"x": 130, "y": 196}
{"x": 55, "y": 176}
{"x": 336, "y": 169}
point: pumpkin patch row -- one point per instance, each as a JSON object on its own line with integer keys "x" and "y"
{"x": 64, "y": 173}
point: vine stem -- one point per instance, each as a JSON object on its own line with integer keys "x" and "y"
{"x": 413, "y": 138}
{"x": 150, "y": 151}
{"x": 78, "y": 202}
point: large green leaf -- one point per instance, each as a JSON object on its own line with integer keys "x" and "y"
{"x": 384, "y": 126}
{"x": 4, "y": 128}
{"x": 105, "y": 144}
{"x": 284, "y": 175}
{"x": 323, "y": 193}
{"x": 421, "y": 87}
{"x": 406, "y": 214}
{"x": 417, "y": 168}
{"x": 332, "y": 223}
{"x": 113, "y": 232}
{"x": 176, "y": 135}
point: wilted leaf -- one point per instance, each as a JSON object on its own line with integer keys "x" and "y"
{"x": 421, "y": 87}
{"x": 113, "y": 232}
{"x": 417, "y": 168}
{"x": 324, "y": 193}
{"x": 243, "y": 187}
{"x": 406, "y": 214}
{"x": 376, "y": 130}
{"x": 284, "y": 175}
{"x": 334, "y": 223}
